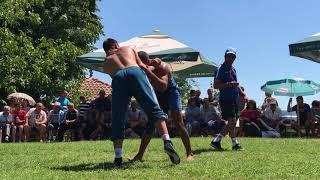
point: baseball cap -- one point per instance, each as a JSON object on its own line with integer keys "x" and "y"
{"x": 231, "y": 51}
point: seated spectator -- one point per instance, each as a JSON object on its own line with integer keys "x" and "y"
{"x": 192, "y": 116}
{"x": 251, "y": 124}
{"x": 55, "y": 118}
{"x": 6, "y": 119}
{"x": 267, "y": 100}
{"x": 19, "y": 123}
{"x": 304, "y": 116}
{"x": 102, "y": 125}
{"x": 14, "y": 102}
{"x": 272, "y": 115}
{"x": 90, "y": 121}
{"x": 36, "y": 119}
{"x": 197, "y": 98}
{"x": 83, "y": 107}
{"x": 213, "y": 100}
{"x": 70, "y": 121}
{"x": 102, "y": 106}
{"x": 136, "y": 123}
{"x": 315, "y": 117}
{"x": 192, "y": 93}
{"x": 25, "y": 105}
{"x": 211, "y": 119}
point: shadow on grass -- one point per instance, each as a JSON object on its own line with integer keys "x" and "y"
{"x": 92, "y": 167}
{"x": 204, "y": 150}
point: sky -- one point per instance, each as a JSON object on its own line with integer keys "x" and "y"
{"x": 259, "y": 30}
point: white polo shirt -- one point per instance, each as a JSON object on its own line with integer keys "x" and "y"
{"x": 276, "y": 115}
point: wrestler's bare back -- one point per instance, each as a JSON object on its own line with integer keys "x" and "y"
{"x": 120, "y": 58}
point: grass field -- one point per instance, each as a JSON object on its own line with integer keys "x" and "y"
{"x": 262, "y": 159}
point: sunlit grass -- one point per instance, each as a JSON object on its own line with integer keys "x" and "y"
{"x": 262, "y": 159}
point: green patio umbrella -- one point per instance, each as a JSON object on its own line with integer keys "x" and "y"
{"x": 291, "y": 87}
{"x": 185, "y": 61}
{"x": 308, "y": 48}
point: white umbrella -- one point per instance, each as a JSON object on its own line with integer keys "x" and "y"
{"x": 185, "y": 61}
{"x": 21, "y": 96}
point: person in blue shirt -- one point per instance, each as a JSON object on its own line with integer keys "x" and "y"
{"x": 63, "y": 100}
{"x": 55, "y": 118}
{"x": 226, "y": 81}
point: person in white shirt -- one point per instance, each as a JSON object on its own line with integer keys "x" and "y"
{"x": 272, "y": 115}
{"x": 6, "y": 119}
{"x": 36, "y": 119}
{"x": 136, "y": 120}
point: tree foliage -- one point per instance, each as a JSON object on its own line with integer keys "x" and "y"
{"x": 39, "y": 42}
{"x": 185, "y": 87}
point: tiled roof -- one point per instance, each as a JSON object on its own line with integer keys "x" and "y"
{"x": 91, "y": 86}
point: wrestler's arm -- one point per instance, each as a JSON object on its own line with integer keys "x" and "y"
{"x": 158, "y": 83}
{"x": 161, "y": 84}
{"x": 138, "y": 60}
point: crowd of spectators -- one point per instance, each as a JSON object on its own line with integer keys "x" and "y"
{"x": 202, "y": 117}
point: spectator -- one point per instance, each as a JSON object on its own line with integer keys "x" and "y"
{"x": 315, "y": 117}
{"x": 83, "y": 107}
{"x": 91, "y": 125}
{"x": 36, "y": 119}
{"x": 272, "y": 115}
{"x": 197, "y": 98}
{"x": 6, "y": 119}
{"x": 243, "y": 99}
{"x": 136, "y": 124}
{"x": 25, "y": 105}
{"x": 192, "y": 115}
{"x": 55, "y": 118}
{"x": 102, "y": 106}
{"x": 251, "y": 123}
{"x": 63, "y": 100}
{"x": 19, "y": 123}
{"x": 211, "y": 118}
{"x": 304, "y": 116}
{"x": 213, "y": 100}
{"x": 192, "y": 93}
{"x": 13, "y": 104}
{"x": 71, "y": 121}
{"x": 267, "y": 100}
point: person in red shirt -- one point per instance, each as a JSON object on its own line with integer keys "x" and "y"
{"x": 251, "y": 123}
{"x": 19, "y": 122}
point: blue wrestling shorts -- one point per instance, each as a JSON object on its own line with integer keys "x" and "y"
{"x": 130, "y": 82}
{"x": 170, "y": 100}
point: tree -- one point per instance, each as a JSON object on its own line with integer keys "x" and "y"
{"x": 39, "y": 42}
{"x": 185, "y": 88}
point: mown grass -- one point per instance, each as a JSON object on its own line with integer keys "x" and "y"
{"x": 262, "y": 159}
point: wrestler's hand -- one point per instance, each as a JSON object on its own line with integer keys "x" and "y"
{"x": 143, "y": 66}
{"x": 151, "y": 68}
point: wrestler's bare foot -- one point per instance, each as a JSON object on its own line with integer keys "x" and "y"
{"x": 135, "y": 158}
{"x": 190, "y": 157}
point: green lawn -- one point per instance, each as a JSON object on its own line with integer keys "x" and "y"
{"x": 262, "y": 159}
